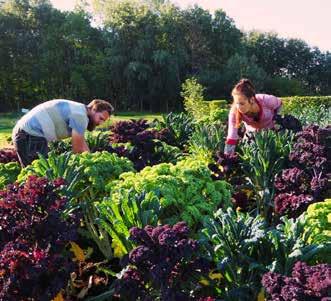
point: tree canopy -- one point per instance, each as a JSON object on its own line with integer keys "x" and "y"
{"x": 137, "y": 54}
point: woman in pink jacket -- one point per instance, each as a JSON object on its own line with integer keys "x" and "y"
{"x": 256, "y": 111}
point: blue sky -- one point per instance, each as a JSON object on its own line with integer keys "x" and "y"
{"x": 303, "y": 19}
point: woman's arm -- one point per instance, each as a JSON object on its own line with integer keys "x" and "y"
{"x": 274, "y": 103}
{"x": 232, "y": 137}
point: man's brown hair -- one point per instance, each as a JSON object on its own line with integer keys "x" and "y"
{"x": 101, "y": 105}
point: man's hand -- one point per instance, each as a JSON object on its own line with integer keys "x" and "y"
{"x": 79, "y": 144}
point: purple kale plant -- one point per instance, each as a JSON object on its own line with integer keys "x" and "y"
{"x": 8, "y": 155}
{"x": 126, "y": 131}
{"x": 310, "y": 155}
{"x": 306, "y": 181}
{"x": 33, "y": 239}
{"x": 241, "y": 200}
{"x": 226, "y": 167}
{"x": 30, "y": 272}
{"x": 165, "y": 265}
{"x": 292, "y": 205}
{"x": 146, "y": 147}
{"x": 307, "y": 283}
{"x": 135, "y": 131}
{"x": 311, "y": 149}
{"x": 292, "y": 180}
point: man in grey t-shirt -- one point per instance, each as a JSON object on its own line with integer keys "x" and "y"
{"x": 55, "y": 120}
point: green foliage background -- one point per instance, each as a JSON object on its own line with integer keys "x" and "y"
{"x": 138, "y": 53}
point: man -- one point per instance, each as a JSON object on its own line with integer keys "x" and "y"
{"x": 55, "y": 120}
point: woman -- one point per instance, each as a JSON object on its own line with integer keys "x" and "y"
{"x": 256, "y": 111}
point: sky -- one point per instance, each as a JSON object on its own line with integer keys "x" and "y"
{"x": 303, "y": 19}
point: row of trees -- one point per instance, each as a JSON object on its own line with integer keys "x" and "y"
{"x": 141, "y": 52}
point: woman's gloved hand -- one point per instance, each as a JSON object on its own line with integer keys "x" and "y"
{"x": 229, "y": 149}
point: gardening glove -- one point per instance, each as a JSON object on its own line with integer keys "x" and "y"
{"x": 229, "y": 149}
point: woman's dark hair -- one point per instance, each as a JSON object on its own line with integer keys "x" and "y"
{"x": 246, "y": 88}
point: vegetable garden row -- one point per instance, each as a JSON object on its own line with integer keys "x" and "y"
{"x": 157, "y": 211}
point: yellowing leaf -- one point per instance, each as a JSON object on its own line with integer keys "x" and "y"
{"x": 78, "y": 252}
{"x": 58, "y": 297}
{"x": 212, "y": 276}
{"x": 261, "y": 296}
{"x": 248, "y": 192}
{"x": 118, "y": 250}
{"x": 215, "y": 276}
{"x": 204, "y": 282}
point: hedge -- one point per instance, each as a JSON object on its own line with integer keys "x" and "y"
{"x": 295, "y": 103}
{"x": 291, "y": 104}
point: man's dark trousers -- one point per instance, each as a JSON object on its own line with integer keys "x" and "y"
{"x": 28, "y": 147}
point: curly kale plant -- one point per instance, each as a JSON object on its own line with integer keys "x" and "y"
{"x": 306, "y": 181}
{"x": 164, "y": 266}
{"x": 8, "y": 173}
{"x": 33, "y": 261}
{"x": 185, "y": 191}
{"x": 8, "y": 155}
{"x": 147, "y": 146}
{"x": 306, "y": 283}
{"x": 318, "y": 222}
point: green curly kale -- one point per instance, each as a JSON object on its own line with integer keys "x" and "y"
{"x": 185, "y": 191}
{"x": 318, "y": 220}
{"x": 8, "y": 173}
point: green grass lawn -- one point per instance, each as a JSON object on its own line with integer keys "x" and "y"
{"x": 131, "y": 115}
{"x": 8, "y": 120}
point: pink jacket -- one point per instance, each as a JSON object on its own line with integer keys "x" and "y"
{"x": 269, "y": 106}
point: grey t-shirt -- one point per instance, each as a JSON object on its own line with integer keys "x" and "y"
{"x": 54, "y": 119}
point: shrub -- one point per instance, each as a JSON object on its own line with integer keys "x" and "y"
{"x": 218, "y": 111}
{"x": 309, "y": 109}
{"x": 192, "y": 92}
{"x": 294, "y": 103}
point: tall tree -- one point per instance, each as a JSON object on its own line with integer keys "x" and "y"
{"x": 269, "y": 50}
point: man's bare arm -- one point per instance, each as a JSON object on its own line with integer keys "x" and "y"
{"x": 79, "y": 144}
